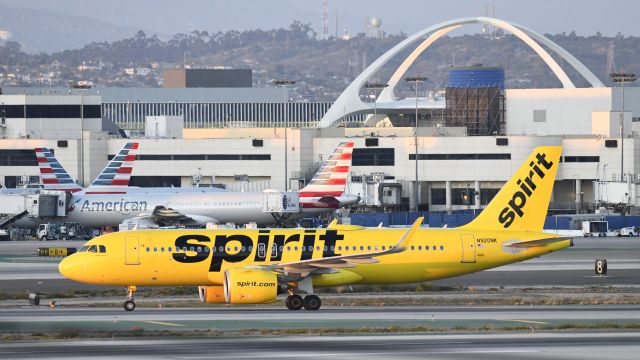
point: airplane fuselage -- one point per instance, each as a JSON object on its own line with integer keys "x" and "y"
{"x": 96, "y": 210}
{"x": 200, "y": 257}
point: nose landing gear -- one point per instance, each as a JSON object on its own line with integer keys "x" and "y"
{"x": 129, "y": 305}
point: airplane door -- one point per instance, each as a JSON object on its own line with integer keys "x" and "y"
{"x": 262, "y": 251}
{"x": 131, "y": 251}
{"x": 468, "y": 248}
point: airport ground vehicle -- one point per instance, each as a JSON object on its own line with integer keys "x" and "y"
{"x": 595, "y": 228}
{"x": 63, "y": 231}
{"x": 250, "y": 266}
{"x": 628, "y": 231}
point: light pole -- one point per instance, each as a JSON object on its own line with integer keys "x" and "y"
{"x": 285, "y": 84}
{"x": 416, "y": 80}
{"x": 375, "y": 87}
{"x": 622, "y": 77}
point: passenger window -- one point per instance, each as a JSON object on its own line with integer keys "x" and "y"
{"x": 250, "y": 248}
{"x": 192, "y": 249}
{"x": 412, "y": 247}
{"x": 326, "y": 248}
{"x": 318, "y": 248}
{"x": 281, "y": 247}
{"x": 339, "y": 248}
{"x": 419, "y": 247}
{"x": 235, "y": 248}
{"x": 304, "y": 248}
{"x": 376, "y": 248}
{"x": 288, "y": 248}
{"x": 169, "y": 249}
{"x": 155, "y": 249}
{"x": 332, "y": 248}
{"x": 426, "y": 247}
{"x": 361, "y": 247}
{"x": 434, "y": 247}
{"x": 228, "y": 248}
{"x": 368, "y": 247}
{"x": 199, "y": 249}
{"x": 295, "y": 248}
{"x": 441, "y": 247}
{"x": 244, "y": 249}
{"x": 103, "y": 249}
{"x": 162, "y": 249}
{"x": 221, "y": 249}
{"x": 382, "y": 247}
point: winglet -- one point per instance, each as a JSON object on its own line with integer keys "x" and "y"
{"x": 404, "y": 240}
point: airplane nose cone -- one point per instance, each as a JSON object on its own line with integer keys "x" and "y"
{"x": 66, "y": 267}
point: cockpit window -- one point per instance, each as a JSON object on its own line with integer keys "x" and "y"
{"x": 93, "y": 249}
{"x": 103, "y": 249}
{"x": 83, "y": 249}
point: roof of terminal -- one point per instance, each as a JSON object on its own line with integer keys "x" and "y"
{"x": 118, "y": 94}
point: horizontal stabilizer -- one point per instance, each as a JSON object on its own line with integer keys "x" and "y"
{"x": 536, "y": 243}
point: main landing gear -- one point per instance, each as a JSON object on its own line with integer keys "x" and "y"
{"x": 129, "y": 305}
{"x": 296, "y": 302}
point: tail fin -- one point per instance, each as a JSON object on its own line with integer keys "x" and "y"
{"x": 523, "y": 201}
{"x": 51, "y": 172}
{"x": 331, "y": 178}
{"x": 118, "y": 171}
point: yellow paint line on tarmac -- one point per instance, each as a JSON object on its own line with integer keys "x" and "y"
{"x": 529, "y": 321}
{"x": 161, "y": 323}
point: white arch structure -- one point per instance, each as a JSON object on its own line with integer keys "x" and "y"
{"x": 349, "y": 101}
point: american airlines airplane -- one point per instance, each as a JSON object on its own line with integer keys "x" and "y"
{"x": 114, "y": 178}
{"x": 109, "y": 208}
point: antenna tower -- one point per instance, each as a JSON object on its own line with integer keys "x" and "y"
{"x": 325, "y": 20}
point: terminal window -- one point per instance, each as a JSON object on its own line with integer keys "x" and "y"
{"x": 373, "y": 157}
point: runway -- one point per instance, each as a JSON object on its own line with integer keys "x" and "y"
{"x": 589, "y": 346}
{"x": 240, "y": 318}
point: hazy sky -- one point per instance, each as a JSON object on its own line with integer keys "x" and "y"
{"x": 586, "y": 17}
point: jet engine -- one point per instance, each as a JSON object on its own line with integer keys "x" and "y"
{"x": 250, "y": 286}
{"x": 211, "y": 294}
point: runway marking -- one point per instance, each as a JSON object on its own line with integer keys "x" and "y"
{"x": 529, "y": 321}
{"x": 161, "y": 323}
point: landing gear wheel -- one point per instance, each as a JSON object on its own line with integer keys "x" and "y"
{"x": 129, "y": 305}
{"x": 312, "y": 302}
{"x": 294, "y": 302}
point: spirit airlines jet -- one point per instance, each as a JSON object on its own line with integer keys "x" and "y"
{"x": 245, "y": 266}
{"x": 112, "y": 207}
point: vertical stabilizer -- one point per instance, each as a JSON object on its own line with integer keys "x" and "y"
{"x": 118, "y": 171}
{"x": 52, "y": 174}
{"x": 331, "y": 178}
{"x": 523, "y": 201}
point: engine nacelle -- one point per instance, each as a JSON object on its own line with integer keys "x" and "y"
{"x": 211, "y": 294}
{"x": 250, "y": 286}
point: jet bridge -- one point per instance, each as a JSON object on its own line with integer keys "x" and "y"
{"x": 44, "y": 204}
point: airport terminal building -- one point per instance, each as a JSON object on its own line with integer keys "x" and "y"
{"x": 469, "y": 141}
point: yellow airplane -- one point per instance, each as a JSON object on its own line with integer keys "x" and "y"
{"x": 253, "y": 266}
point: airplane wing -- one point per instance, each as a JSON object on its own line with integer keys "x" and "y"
{"x": 168, "y": 216}
{"x": 164, "y": 216}
{"x": 305, "y": 268}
